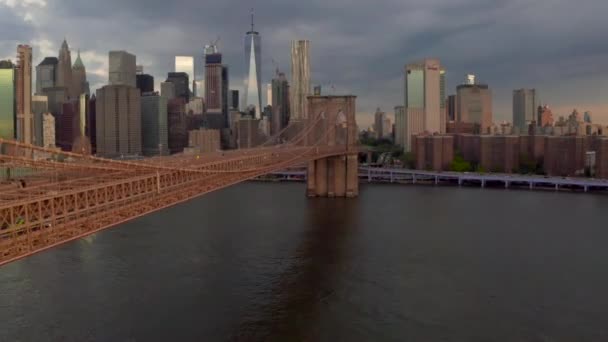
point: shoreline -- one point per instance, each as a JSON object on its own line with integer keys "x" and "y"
{"x": 405, "y": 177}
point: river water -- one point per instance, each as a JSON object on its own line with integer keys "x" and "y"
{"x": 261, "y": 262}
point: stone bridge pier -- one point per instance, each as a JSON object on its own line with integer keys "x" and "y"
{"x": 334, "y": 176}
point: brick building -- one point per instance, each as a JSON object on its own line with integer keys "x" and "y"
{"x": 433, "y": 152}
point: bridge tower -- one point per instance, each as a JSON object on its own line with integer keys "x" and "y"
{"x": 334, "y": 176}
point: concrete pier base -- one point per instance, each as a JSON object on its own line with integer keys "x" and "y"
{"x": 333, "y": 177}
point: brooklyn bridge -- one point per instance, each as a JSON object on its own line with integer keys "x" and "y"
{"x": 66, "y": 196}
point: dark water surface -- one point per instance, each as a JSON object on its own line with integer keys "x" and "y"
{"x": 260, "y": 262}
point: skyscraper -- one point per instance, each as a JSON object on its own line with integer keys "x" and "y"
{"x": 186, "y": 64}
{"x": 181, "y": 81}
{"x": 400, "y": 126}
{"x": 233, "y": 100}
{"x": 25, "y": 118}
{"x": 524, "y": 108}
{"x": 424, "y": 99}
{"x": 7, "y": 100}
{"x": 280, "y": 103}
{"x": 300, "y": 78}
{"x": 154, "y": 127}
{"x": 64, "y": 70}
{"x": 269, "y": 94}
{"x": 79, "y": 78}
{"x": 253, "y": 81}
{"x": 46, "y": 74}
{"x": 474, "y": 106}
{"x": 122, "y": 69}
{"x": 216, "y": 90}
{"x": 118, "y": 120}
{"x": 145, "y": 83}
{"x": 451, "y": 108}
{"x": 167, "y": 90}
{"x": 40, "y": 106}
{"x": 379, "y": 121}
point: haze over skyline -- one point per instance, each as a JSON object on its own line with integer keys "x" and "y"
{"x": 360, "y": 47}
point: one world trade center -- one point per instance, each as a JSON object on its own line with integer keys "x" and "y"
{"x": 253, "y": 83}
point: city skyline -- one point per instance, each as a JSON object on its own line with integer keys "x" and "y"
{"x": 567, "y": 75}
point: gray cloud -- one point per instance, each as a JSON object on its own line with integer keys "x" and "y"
{"x": 359, "y": 46}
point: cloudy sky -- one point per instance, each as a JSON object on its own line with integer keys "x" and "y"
{"x": 359, "y": 46}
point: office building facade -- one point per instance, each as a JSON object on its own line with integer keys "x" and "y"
{"x": 122, "y": 69}
{"x": 40, "y": 106}
{"x": 23, "y": 93}
{"x": 7, "y": 100}
{"x": 186, "y": 64}
{"x": 524, "y": 108}
{"x": 145, "y": 83}
{"x": 46, "y": 74}
{"x": 424, "y": 99}
{"x": 64, "y": 70}
{"x": 118, "y": 121}
{"x": 154, "y": 126}
{"x": 280, "y": 103}
{"x": 474, "y": 106}
{"x": 400, "y": 126}
{"x": 180, "y": 80}
{"x": 300, "y": 79}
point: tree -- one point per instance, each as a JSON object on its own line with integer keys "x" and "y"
{"x": 409, "y": 160}
{"x": 460, "y": 165}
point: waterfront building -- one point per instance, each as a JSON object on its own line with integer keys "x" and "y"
{"x": 433, "y": 152}
{"x": 253, "y": 65}
{"x": 524, "y": 108}
{"x": 7, "y": 100}
{"x": 155, "y": 139}
{"x": 122, "y": 69}
{"x": 300, "y": 79}
{"x": 23, "y": 93}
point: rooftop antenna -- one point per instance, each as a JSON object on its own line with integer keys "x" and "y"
{"x": 252, "y": 19}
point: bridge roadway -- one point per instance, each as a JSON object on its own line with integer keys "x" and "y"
{"x": 417, "y": 176}
{"x": 69, "y": 200}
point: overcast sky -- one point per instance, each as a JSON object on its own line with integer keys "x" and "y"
{"x": 556, "y": 46}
